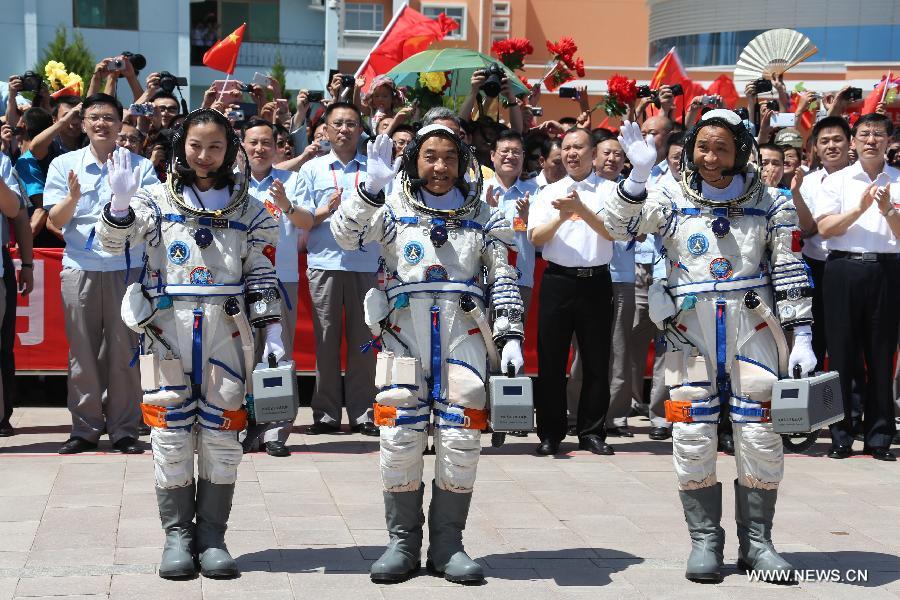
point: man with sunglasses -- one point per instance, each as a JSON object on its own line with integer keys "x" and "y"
{"x": 856, "y": 216}
{"x": 104, "y": 390}
{"x": 339, "y": 280}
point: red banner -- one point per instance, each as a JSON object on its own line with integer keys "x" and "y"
{"x": 41, "y": 343}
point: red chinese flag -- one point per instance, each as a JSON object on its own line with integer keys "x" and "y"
{"x": 875, "y": 96}
{"x": 724, "y": 86}
{"x": 807, "y": 119}
{"x": 669, "y": 72}
{"x": 408, "y": 33}
{"x": 223, "y": 56}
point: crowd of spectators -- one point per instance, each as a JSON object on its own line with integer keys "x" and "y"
{"x": 307, "y": 154}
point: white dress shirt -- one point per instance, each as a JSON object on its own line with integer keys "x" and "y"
{"x": 840, "y": 192}
{"x": 574, "y": 244}
{"x": 813, "y": 246}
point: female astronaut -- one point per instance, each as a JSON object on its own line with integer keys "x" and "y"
{"x": 732, "y": 250}
{"x": 208, "y": 278}
{"x": 442, "y": 247}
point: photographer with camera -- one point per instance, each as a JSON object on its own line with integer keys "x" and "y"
{"x": 493, "y": 83}
{"x": 29, "y": 81}
{"x": 65, "y": 135}
{"x": 112, "y": 68}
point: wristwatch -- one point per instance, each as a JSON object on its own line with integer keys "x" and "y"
{"x": 889, "y": 211}
{"x": 291, "y": 210}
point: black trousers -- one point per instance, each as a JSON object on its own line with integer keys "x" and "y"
{"x": 583, "y": 306}
{"x": 861, "y": 321}
{"x": 8, "y": 338}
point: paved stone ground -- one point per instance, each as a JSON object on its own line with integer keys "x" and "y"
{"x": 309, "y": 526}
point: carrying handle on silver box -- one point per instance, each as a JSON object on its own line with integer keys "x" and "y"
{"x": 510, "y": 370}
{"x": 273, "y": 362}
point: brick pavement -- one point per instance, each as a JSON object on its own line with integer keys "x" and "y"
{"x": 309, "y": 526}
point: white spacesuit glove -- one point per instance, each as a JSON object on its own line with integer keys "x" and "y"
{"x": 273, "y": 344}
{"x": 380, "y": 164}
{"x": 512, "y": 353}
{"x": 802, "y": 353}
{"x": 641, "y": 151}
{"x": 123, "y": 180}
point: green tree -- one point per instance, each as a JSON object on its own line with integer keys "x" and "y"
{"x": 278, "y": 74}
{"x": 75, "y": 55}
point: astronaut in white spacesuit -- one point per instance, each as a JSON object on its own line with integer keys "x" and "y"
{"x": 444, "y": 262}
{"x": 735, "y": 281}
{"x": 208, "y": 278}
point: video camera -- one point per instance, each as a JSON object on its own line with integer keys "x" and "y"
{"x": 169, "y": 82}
{"x": 644, "y": 91}
{"x": 31, "y": 81}
{"x": 494, "y": 76}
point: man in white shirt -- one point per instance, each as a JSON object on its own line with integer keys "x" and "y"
{"x": 279, "y": 191}
{"x": 856, "y": 215}
{"x": 576, "y": 297}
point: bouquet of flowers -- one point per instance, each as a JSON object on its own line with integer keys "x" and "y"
{"x": 429, "y": 90}
{"x": 60, "y": 82}
{"x": 621, "y": 93}
{"x": 512, "y": 52}
{"x": 562, "y": 63}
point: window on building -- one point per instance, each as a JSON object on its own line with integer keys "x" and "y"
{"x": 106, "y": 14}
{"x": 457, "y": 13}
{"x": 363, "y": 17}
{"x": 261, "y": 17}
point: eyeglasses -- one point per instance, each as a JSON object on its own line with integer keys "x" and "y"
{"x": 130, "y": 139}
{"x": 878, "y": 135}
{"x": 341, "y": 124}
{"x": 513, "y": 153}
{"x": 99, "y": 118}
{"x": 172, "y": 110}
{"x": 280, "y": 143}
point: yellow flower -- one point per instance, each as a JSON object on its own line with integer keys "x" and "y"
{"x": 434, "y": 81}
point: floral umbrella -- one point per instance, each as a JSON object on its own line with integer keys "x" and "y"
{"x": 460, "y": 63}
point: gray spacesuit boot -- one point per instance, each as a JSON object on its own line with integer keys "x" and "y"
{"x": 753, "y": 511}
{"x": 703, "y": 511}
{"x": 176, "y": 512}
{"x": 213, "y": 508}
{"x": 446, "y": 522}
{"x": 403, "y": 557}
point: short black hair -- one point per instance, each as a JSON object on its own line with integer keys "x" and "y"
{"x": 164, "y": 94}
{"x": 600, "y": 134}
{"x": 577, "y": 129}
{"x": 675, "y": 139}
{"x": 787, "y": 147}
{"x": 101, "y": 98}
{"x": 875, "y": 119}
{"x": 509, "y": 135}
{"x": 68, "y": 100}
{"x": 404, "y": 127}
{"x": 36, "y": 120}
{"x": 549, "y": 144}
{"x": 568, "y": 121}
{"x": 830, "y": 123}
{"x": 257, "y": 122}
{"x": 282, "y": 131}
{"x": 336, "y": 105}
{"x": 773, "y": 148}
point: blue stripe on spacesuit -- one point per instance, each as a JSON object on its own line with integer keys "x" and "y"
{"x": 721, "y": 353}
{"x": 197, "y": 350}
{"x": 455, "y": 361}
{"x": 754, "y": 362}
{"x": 226, "y": 368}
{"x": 436, "y": 352}
{"x": 722, "y": 212}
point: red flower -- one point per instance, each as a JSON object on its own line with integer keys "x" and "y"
{"x": 579, "y": 67}
{"x": 563, "y": 50}
{"x": 512, "y": 51}
{"x": 625, "y": 90}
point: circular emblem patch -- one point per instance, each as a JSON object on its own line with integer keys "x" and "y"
{"x": 698, "y": 244}
{"x": 721, "y": 227}
{"x": 179, "y": 252}
{"x": 720, "y": 268}
{"x": 413, "y": 252}
{"x": 436, "y": 273}
{"x": 203, "y": 237}
{"x": 201, "y": 276}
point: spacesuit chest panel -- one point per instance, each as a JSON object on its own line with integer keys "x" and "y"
{"x": 713, "y": 247}
{"x": 191, "y": 253}
{"x": 420, "y": 259}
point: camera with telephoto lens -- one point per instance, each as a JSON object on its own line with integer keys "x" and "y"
{"x": 762, "y": 86}
{"x": 138, "y": 61}
{"x": 169, "y": 82}
{"x": 31, "y": 81}
{"x": 494, "y": 76}
{"x": 853, "y": 94}
{"x": 644, "y": 91}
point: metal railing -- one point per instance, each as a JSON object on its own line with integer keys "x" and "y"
{"x": 302, "y": 55}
